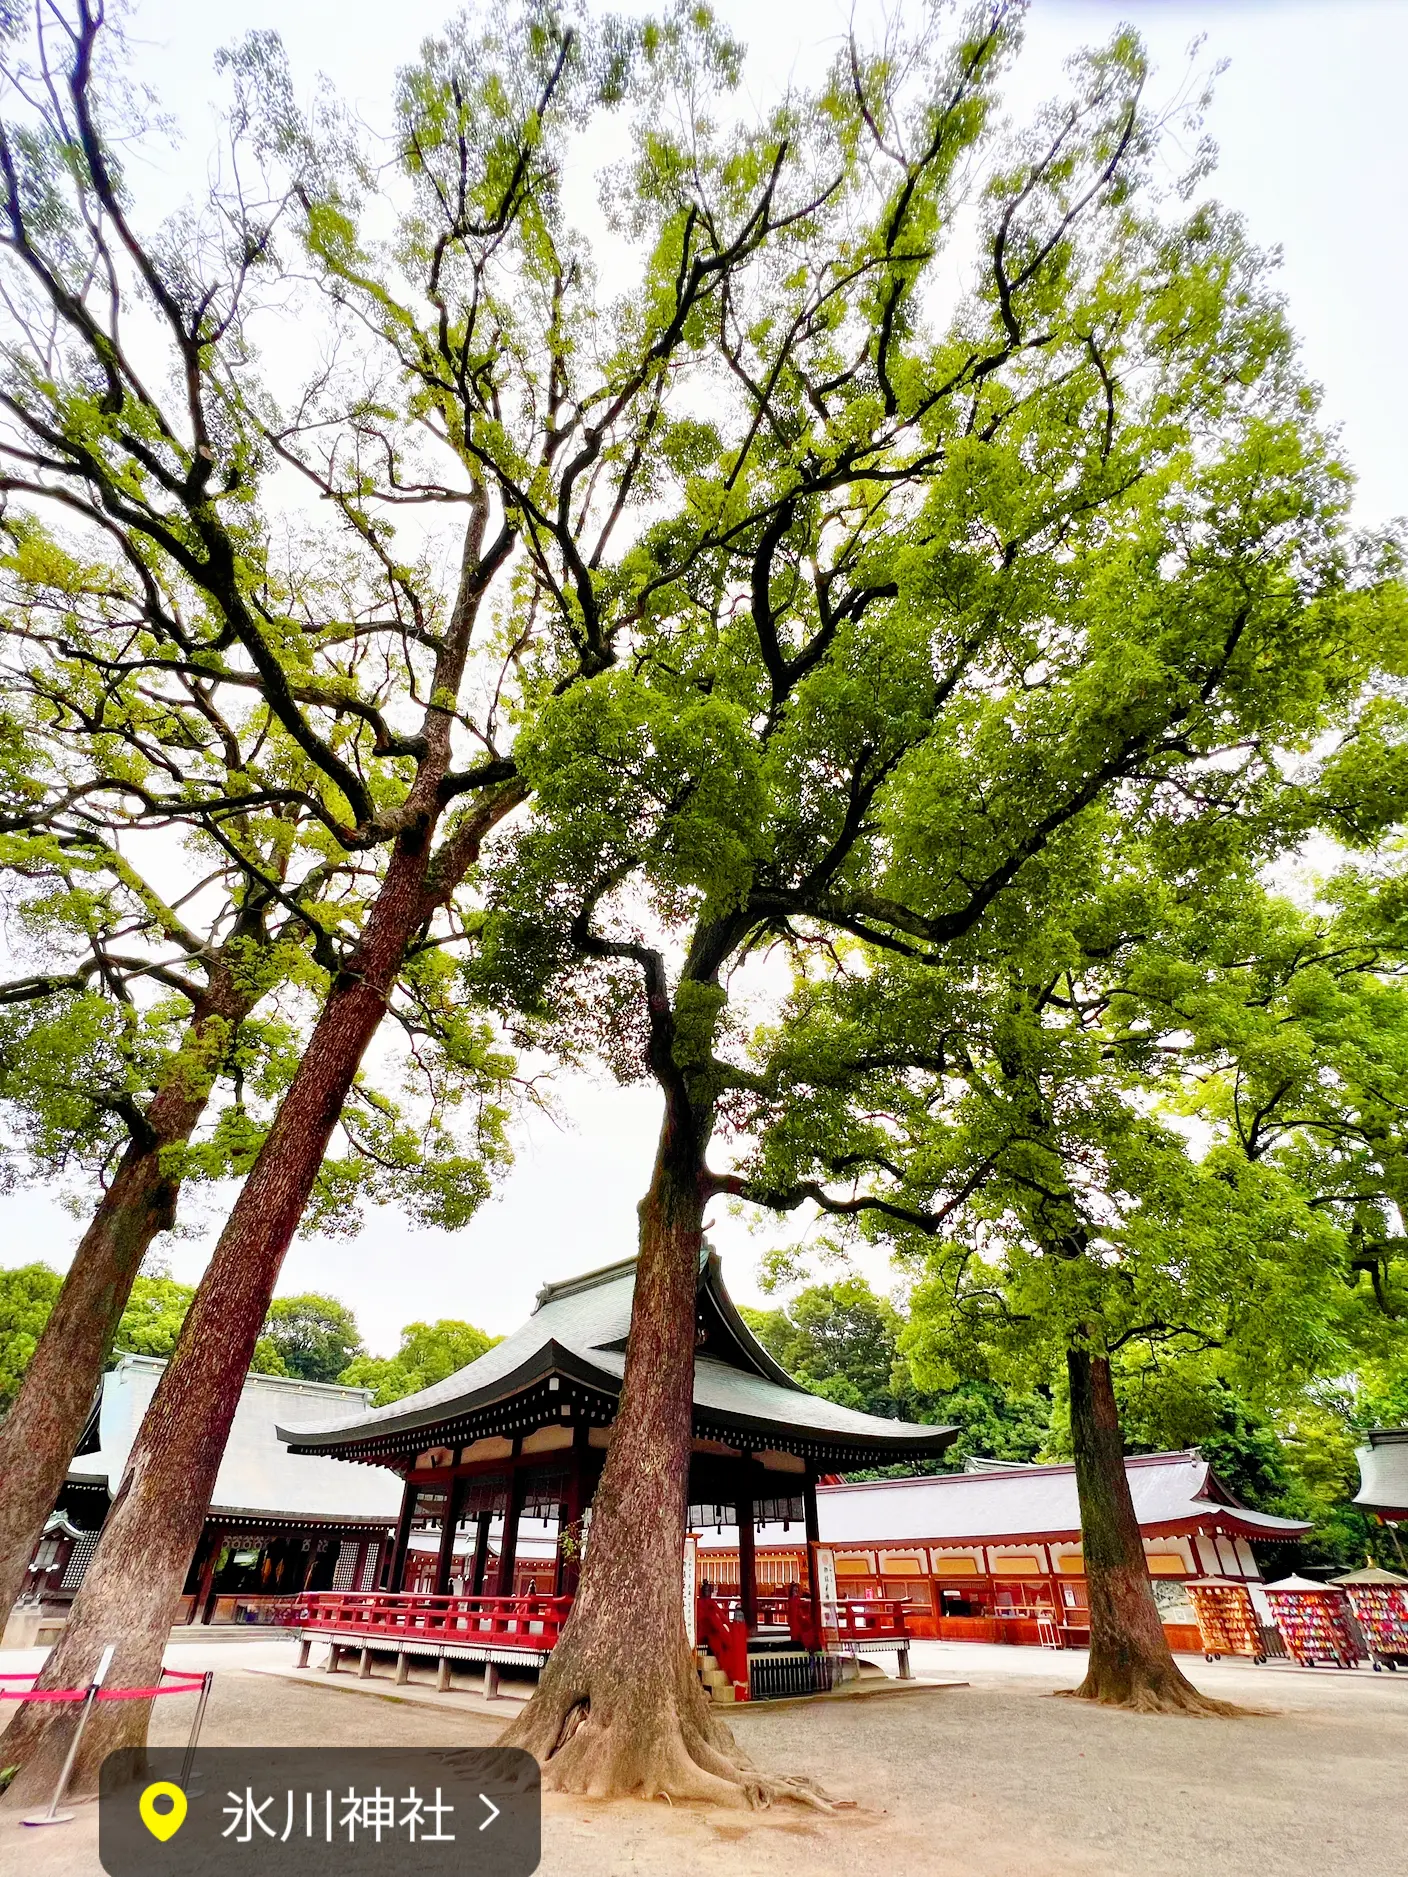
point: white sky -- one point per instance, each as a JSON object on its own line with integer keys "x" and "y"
{"x": 1313, "y": 135}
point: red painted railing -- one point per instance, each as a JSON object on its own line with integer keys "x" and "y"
{"x": 772, "y": 1612}
{"x": 866, "y": 1619}
{"x": 792, "y": 1613}
{"x": 855, "y": 1620}
{"x": 391, "y": 1617}
{"x": 726, "y": 1639}
{"x": 531, "y": 1621}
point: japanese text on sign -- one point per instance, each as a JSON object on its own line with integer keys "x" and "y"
{"x": 320, "y": 1812}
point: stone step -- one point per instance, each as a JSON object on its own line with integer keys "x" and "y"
{"x": 716, "y": 1682}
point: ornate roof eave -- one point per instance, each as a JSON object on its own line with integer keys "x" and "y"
{"x": 711, "y": 1280}
{"x": 57, "y": 1526}
{"x": 550, "y": 1360}
{"x": 591, "y": 1397}
{"x": 823, "y": 1445}
{"x": 1236, "y": 1521}
{"x": 251, "y": 1518}
{"x": 581, "y": 1381}
{"x": 75, "y": 1481}
{"x": 710, "y": 1283}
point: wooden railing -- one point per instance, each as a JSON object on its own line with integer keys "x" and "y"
{"x": 852, "y": 1621}
{"x": 791, "y": 1613}
{"x": 726, "y": 1639}
{"x": 866, "y": 1619}
{"x": 398, "y": 1617}
{"x": 531, "y": 1621}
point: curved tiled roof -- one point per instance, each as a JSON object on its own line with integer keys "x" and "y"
{"x": 259, "y": 1477}
{"x": 1383, "y": 1473}
{"x": 1169, "y": 1490}
{"x": 579, "y": 1329}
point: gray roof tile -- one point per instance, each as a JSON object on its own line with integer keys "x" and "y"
{"x": 588, "y": 1318}
{"x": 1020, "y": 1501}
{"x": 1383, "y": 1472}
{"x": 258, "y": 1475}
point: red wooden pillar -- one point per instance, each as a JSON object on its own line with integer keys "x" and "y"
{"x": 517, "y": 1481}
{"x": 747, "y": 1563}
{"x": 444, "y": 1563}
{"x": 396, "y": 1568}
{"x": 813, "y": 1540}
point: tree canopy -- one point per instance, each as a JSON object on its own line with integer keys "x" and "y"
{"x": 1014, "y": 1122}
{"x": 312, "y": 1335}
{"x": 315, "y": 1337}
{"x": 844, "y": 1342}
{"x": 840, "y": 1339}
{"x": 27, "y": 1296}
{"x": 1293, "y": 1457}
{"x": 932, "y": 567}
{"x": 429, "y": 1352}
{"x": 1003, "y": 581}
{"x": 1006, "y": 1132}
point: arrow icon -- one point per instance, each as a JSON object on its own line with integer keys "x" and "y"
{"x": 493, "y": 1811}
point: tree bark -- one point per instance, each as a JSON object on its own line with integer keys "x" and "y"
{"x": 38, "y": 1436}
{"x": 133, "y": 1584}
{"x": 1131, "y": 1664}
{"x": 619, "y": 1708}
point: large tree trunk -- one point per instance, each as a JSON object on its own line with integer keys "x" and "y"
{"x": 38, "y": 1436}
{"x": 130, "y": 1592}
{"x": 1131, "y": 1664}
{"x": 619, "y": 1708}
{"x": 132, "y": 1586}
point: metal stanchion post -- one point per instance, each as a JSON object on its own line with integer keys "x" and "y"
{"x": 206, "y": 1680}
{"x": 54, "y": 1816}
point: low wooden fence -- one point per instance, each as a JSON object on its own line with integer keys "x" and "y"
{"x": 398, "y": 1621}
{"x": 392, "y": 1619}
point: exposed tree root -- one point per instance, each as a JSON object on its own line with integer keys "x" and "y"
{"x": 1130, "y": 1664}
{"x": 652, "y": 1738}
{"x": 1161, "y": 1697}
{"x": 619, "y": 1712}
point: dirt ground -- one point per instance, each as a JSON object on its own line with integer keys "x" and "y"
{"x": 994, "y": 1779}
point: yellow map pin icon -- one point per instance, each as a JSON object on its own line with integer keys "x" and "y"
{"x": 165, "y": 1820}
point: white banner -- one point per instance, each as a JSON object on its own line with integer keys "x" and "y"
{"x": 826, "y": 1574}
{"x": 691, "y": 1573}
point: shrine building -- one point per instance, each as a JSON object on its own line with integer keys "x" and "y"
{"x": 500, "y": 1462}
{"x": 276, "y": 1523}
{"x": 993, "y": 1554}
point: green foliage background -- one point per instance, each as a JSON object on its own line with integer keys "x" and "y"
{"x": 312, "y": 1336}
{"x": 844, "y": 1342}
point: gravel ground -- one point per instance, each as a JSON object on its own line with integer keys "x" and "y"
{"x": 996, "y": 1779}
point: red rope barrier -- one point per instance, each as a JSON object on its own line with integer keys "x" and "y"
{"x": 181, "y": 1682}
